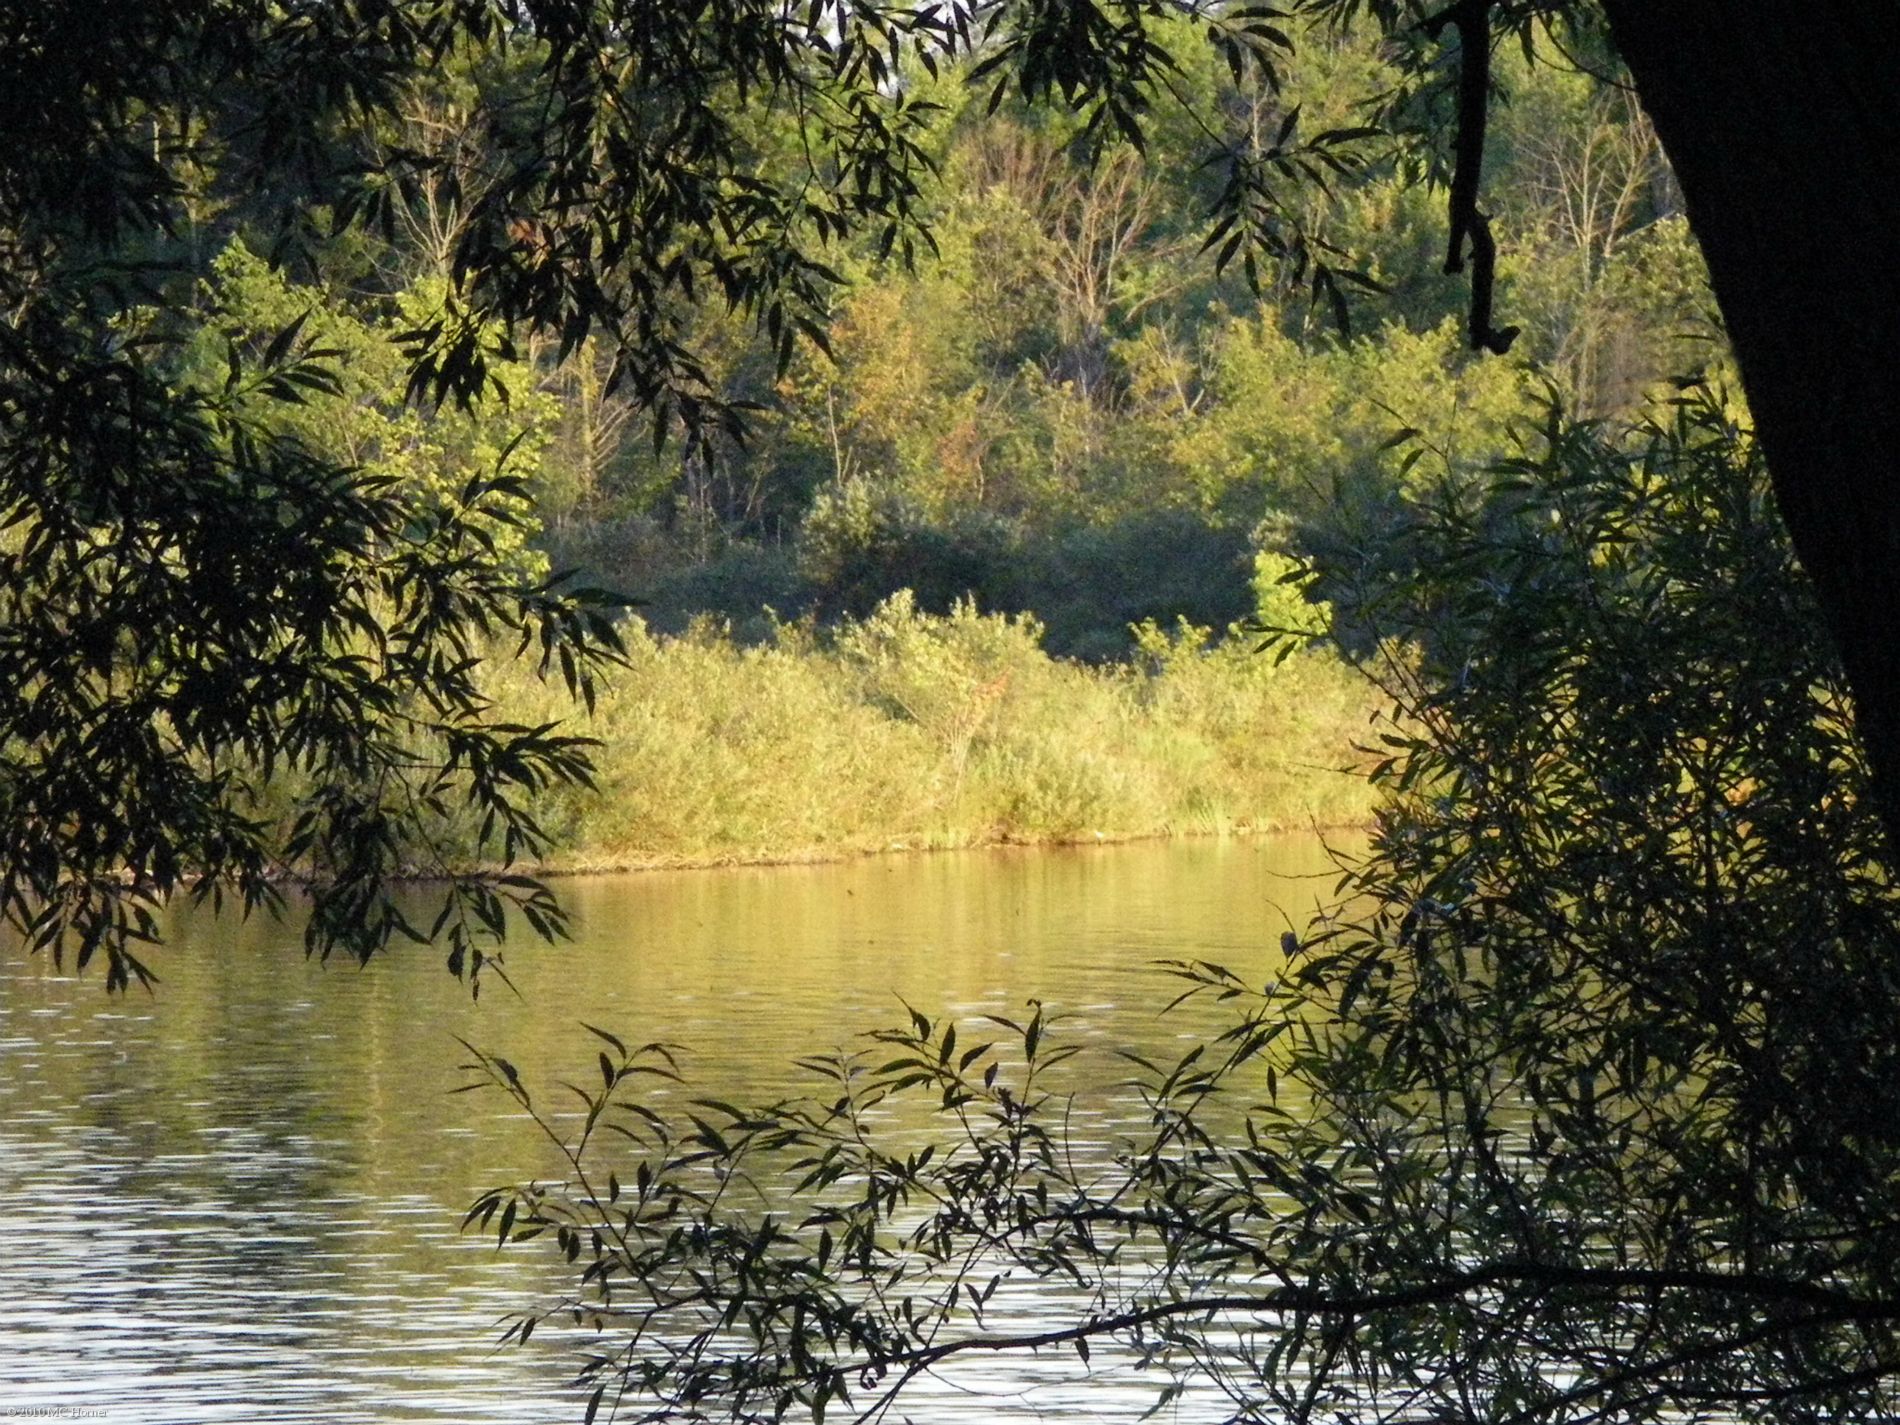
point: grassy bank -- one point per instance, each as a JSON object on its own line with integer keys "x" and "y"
{"x": 919, "y": 731}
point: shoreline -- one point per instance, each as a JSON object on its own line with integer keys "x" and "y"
{"x": 575, "y": 867}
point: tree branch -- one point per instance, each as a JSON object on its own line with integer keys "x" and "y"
{"x": 1837, "y": 1305}
{"x": 1472, "y": 20}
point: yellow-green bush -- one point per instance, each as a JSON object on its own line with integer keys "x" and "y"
{"x": 919, "y": 730}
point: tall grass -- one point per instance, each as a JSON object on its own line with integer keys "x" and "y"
{"x": 913, "y": 730}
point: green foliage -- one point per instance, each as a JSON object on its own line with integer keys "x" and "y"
{"x": 198, "y": 607}
{"x": 361, "y": 420}
{"x": 1281, "y": 602}
{"x": 1295, "y": 431}
{"x": 913, "y": 729}
{"x": 1070, "y": 360}
{"x": 855, "y": 547}
{"x": 240, "y": 546}
{"x": 1065, "y": 387}
{"x": 1581, "y": 1106}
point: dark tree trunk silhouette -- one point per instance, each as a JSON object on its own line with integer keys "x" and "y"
{"x": 1784, "y": 129}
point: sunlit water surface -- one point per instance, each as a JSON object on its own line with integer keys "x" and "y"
{"x": 238, "y": 1200}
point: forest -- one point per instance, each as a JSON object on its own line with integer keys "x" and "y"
{"x": 985, "y": 558}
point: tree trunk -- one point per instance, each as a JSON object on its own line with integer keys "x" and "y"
{"x": 1783, "y": 126}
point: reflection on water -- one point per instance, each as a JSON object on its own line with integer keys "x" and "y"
{"x": 238, "y": 1201}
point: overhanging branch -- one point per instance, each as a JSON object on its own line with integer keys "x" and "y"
{"x": 1469, "y": 224}
{"x": 1823, "y": 1305}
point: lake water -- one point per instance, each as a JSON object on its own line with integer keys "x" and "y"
{"x": 238, "y": 1200}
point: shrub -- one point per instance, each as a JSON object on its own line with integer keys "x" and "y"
{"x": 857, "y": 547}
{"x": 932, "y": 730}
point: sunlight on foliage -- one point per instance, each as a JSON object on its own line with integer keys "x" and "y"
{"x": 1582, "y": 1103}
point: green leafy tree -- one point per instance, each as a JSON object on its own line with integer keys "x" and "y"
{"x": 1803, "y": 276}
{"x": 358, "y": 415}
{"x": 1581, "y": 1106}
